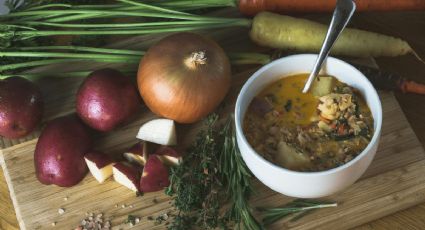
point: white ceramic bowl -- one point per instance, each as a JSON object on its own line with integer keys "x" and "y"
{"x": 306, "y": 184}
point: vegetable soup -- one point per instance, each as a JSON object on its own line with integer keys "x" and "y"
{"x": 322, "y": 129}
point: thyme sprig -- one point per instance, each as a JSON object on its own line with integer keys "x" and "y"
{"x": 196, "y": 182}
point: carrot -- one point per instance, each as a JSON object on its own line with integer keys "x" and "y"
{"x": 301, "y": 35}
{"x": 252, "y": 7}
{"x": 391, "y": 81}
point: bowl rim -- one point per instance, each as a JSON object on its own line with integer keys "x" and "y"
{"x": 258, "y": 157}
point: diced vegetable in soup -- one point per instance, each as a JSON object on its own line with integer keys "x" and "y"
{"x": 322, "y": 129}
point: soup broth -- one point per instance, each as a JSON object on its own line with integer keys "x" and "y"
{"x": 322, "y": 129}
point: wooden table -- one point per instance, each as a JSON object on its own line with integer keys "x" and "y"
{"x": 409, "y": 26}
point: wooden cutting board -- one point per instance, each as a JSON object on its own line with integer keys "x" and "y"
{"x": 393, "y": 182}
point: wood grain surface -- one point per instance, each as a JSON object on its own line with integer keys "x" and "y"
{"x": 392, "y": 183}
{"x": 410, "y": 26}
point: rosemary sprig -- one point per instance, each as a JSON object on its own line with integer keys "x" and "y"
{"x": 298, "y": 207}
{"x": 238, "y": 180}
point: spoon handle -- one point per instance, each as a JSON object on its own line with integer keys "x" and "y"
{"x": 342, "y": 14}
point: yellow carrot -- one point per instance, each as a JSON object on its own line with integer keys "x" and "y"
{"x": 301, "y": 35}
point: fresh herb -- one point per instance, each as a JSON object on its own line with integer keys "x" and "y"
{"x": 211, "y": 165}
{"x": 298, "y": 208}
{"x": 238, "y": 181}
{"x": 196, "y": 182}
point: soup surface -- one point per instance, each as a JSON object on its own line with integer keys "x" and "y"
{"x": 316, "y": 131}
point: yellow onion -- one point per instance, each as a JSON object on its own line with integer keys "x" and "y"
{"x": 184, "y": 77}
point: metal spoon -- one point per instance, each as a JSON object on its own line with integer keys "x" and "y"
{"x": 342, "y": 14}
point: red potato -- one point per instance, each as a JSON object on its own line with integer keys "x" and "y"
{"x": 138, "y": 153}
{"x": 107, "y": 99}
{"x": 127, "y": 175}
{"x": 21, "y": 107}
{"x": 155, "y": 175}
{"x": 169, "y": 156}
{"x": 100, "y": 165}
{"x": 59, "y": 153}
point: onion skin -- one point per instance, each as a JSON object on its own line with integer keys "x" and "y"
{"x": 174, "y": 87}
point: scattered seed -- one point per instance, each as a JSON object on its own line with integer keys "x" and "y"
{"x": 137, "y": 220}
{"x": 116, "y": 206}
{"x": 53, "y": 224}
{"x": 165, "y": 216}
{"x": 131, "y": 206}
{"x": 65, "y": 198}
{"x": 123, "y": 206}
{"x": 94, "y": 222}
{"x": 61, "y": 211}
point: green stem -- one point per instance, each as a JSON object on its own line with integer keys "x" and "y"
{"x": 307, "y": 208}
{"x": 198, "y": 4}
{"x": 67, "y": 55}
{"x": 31, "y": 34}
{"x": 85, "y": 49}
{"x": 117, "y": 13}
{"x": 61, "y": 61}
{"x": 48, "y": 6}
{"x": 34, "y": 76}
{"x": 151, "y": 7}
{"x": 93, "y": 16}
{"x": 34, "y": 63}
{"x": 35, "y": 18}
{"x": 119, "y": 25}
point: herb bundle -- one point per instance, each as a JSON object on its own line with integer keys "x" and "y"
{"x": 212, "y": 165}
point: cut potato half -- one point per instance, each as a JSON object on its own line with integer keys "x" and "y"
{"x": 138, "y": 153}
{"x": 169, "y": 156}
{"x": 127, "y": 175}
{"x": 100, "y": 165}
{"x": 159, "y": 131}
{"x": 155, "y": 175}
